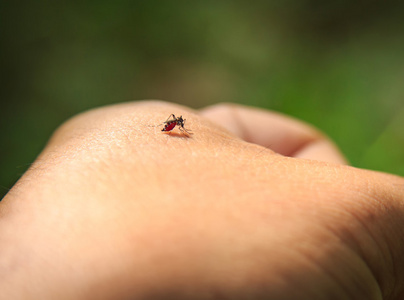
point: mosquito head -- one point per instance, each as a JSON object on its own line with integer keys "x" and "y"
{"x": 180, "y": 121}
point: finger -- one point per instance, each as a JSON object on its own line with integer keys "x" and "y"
{"x": 282, "y": 134}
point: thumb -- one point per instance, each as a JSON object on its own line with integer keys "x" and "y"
{"x": 282, "y": 134}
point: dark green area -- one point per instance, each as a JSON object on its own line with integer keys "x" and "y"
{"x": 338, "y": 65}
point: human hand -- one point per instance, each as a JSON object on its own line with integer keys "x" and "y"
{"x": 115, "y": 209}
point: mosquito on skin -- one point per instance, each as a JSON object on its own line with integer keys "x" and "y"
{"x": 173, "y": 121}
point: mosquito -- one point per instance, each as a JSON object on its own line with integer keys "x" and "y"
{"x": 173, "y": 121}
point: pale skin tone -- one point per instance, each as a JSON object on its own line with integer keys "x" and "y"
{"x": 253, "y": 205}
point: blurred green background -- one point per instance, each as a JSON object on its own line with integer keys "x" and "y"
{"x": 336, "y": 64}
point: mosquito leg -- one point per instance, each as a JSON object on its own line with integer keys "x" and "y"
{"x": 182, "y": 129}
{"x": 186, "y": 130}
{"x": 172, "y": 115}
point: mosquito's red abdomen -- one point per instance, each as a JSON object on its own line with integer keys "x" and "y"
{"x": 169, "y": 126}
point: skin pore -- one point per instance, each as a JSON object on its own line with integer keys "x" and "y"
{"x": 253, "y": 205}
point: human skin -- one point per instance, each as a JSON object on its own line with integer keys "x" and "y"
{"x": 252, "y": 205}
